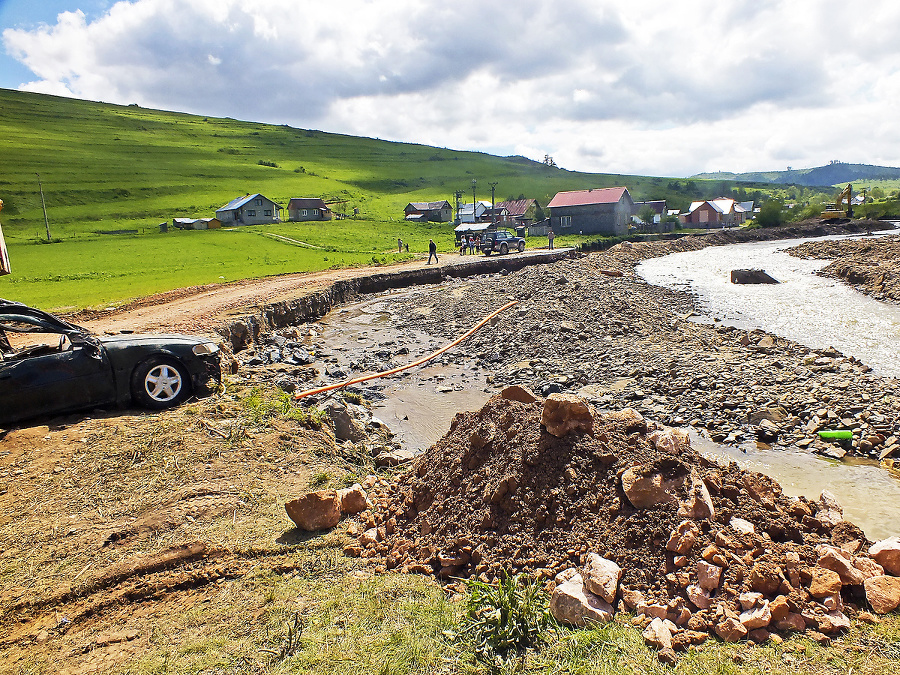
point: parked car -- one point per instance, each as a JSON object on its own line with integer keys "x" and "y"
{"x": 501, "y": 241}
{"x": 72, "y": 369}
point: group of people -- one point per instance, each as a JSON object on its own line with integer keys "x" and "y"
{"x": 470, "y": 242}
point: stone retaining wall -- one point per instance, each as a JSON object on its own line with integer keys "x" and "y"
{"x": 242, "y": 331}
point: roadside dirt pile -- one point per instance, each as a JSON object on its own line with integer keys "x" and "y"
{"x": 872, "y": 266}
{"x": 551, "y": 487}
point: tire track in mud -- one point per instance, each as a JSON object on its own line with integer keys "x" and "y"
{"x": 177, "y": 569}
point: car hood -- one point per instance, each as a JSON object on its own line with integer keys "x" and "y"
{"x": 161, "y": 339}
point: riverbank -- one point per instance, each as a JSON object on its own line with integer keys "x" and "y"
{"x": 871, "y": 266}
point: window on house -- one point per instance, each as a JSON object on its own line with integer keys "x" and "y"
{"x": 251, "y": 213}
{"x": 259, "y": 202}
{"x": 565, "y": 221}
{"x": 303, "y": 212}
{"x": 267, "y": 212}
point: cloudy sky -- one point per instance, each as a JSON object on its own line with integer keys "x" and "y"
{"x": 658, "y": 87}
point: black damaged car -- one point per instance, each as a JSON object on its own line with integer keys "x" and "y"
{"x": 69, "y": 368}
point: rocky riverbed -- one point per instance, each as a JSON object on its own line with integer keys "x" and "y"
{"x": 591, "y": 326}
{"x": 872, "y": 266}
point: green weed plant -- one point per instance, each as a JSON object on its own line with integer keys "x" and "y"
{"x": 505, "y": 619}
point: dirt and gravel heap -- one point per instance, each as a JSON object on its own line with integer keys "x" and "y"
{"x": 549, "y": 487}
{"x": 871, "y": 265}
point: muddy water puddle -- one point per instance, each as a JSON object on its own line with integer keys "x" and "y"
{"x": 869, "y": 494}
{"x": 419, "y": 404}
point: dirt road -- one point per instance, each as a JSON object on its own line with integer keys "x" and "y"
{"x": 200, "y": 308}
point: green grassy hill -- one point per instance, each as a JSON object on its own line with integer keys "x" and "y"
{"x": 108, "y": 168}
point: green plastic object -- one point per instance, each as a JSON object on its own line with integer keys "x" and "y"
{"x": 841, "y": 434}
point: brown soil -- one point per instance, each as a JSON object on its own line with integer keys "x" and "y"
{"x": 872, "y": 266}
{"x": 499, "y": 494}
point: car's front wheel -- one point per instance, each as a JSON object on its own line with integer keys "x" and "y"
{"x": 160, "y": 382}
{"x": 504, "y": 249}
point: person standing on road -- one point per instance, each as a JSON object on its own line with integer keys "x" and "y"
{"x": 550, "y": 236}
{"x": 399, "y": 245}
{"x": 432, "y": 251}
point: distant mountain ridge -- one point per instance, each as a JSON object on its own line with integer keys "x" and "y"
{"x": 830, "y": 174}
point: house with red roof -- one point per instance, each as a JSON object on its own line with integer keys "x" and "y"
{"x": 521, "y": 211}
{"x": 595, "y": 211}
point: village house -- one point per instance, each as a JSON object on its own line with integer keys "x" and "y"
{"x": 301, "y": 209}
{"x": 465, "y": 213}
{"x": 718, "y": 212}
{"x": 196, "y": 223}
{"x": 435, "y": 212}
{"x": 249, "y": 210}
{"x": 595, "y": 211}
{"x": 521, "y": 211}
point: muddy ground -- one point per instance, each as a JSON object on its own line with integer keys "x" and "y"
{"x": 113, "y": 521}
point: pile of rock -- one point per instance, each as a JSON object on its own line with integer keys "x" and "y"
{"x": 623, "y": 515}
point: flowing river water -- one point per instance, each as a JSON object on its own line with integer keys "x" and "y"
{"x": 418, "y": 405}
{"x": 817, "y": 312}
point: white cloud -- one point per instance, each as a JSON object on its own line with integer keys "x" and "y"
{"x": 650, "y": 86}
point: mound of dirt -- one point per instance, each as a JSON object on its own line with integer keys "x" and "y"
{"x": 500, "y": 493}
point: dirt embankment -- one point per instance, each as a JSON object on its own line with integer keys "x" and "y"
{"x": 871, "y": 266}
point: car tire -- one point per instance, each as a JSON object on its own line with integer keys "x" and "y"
{"x": 504, "y": 249}
{"x": 160, "y": 382}
{"x": 488, "y": 251}
{"x": 521, "y": 247}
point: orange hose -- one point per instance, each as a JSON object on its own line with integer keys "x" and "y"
{"x": 424, "y": 359}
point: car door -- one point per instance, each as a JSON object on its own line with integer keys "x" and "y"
{"x": 55, "y": 382}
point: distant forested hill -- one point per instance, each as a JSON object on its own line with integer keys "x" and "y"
{"x": 830, "y": 174}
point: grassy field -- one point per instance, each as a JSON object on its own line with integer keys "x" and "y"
{"x": 109, "y": 168}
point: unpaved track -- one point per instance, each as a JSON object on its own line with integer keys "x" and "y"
{"x": 201, "y": 308}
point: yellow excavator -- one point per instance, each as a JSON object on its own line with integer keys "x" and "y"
{"x": 837, "y": 210}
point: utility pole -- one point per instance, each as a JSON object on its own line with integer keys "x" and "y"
{"x": 43, "y": 206}
{"x": 458, "y": 194}
{"x": 493, "y": 213}
{"x": 473, "y": 200}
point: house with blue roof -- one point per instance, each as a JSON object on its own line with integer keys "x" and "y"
{"x": 249, "y": 210}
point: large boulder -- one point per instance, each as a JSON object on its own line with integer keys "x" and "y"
{"x": 824, "y": 582}
{"x": 883, "y": 593}
{"x": 601, "y": 577}
{"x": 840, "y": 561}
{"x": 565, "y": 413}
{"x": 682, "y": 540}
{"x": 887, "y": 554}
{"x": 315, "y": 511}
{"x": 519, "y": 393}
{"x": 346, "y": 428}
{"x": 572, "y": 604}
{"x": 645, "y": 490}
{"x": 353, "y": 499}
{"x": 698, "y": 504}
{"x": 752, "y": 277}
{"x": 658, "y": 634}
{"x": 668, "y": 440}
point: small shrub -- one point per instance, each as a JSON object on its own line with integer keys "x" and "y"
{"x": 353, "y": 397}
{"x": 504, "y": 620}
{"x": 265, "y": 162}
